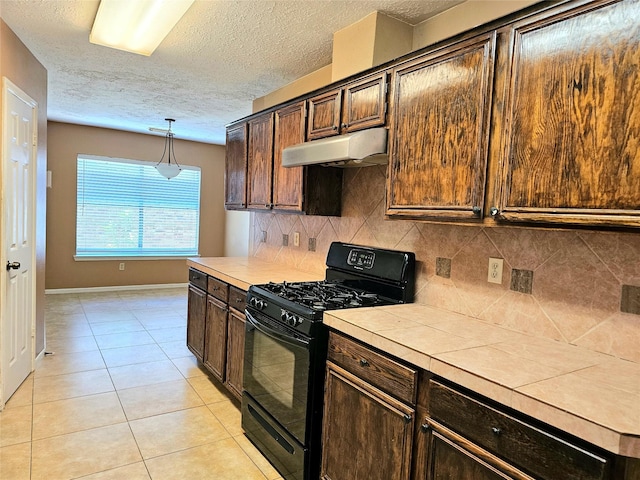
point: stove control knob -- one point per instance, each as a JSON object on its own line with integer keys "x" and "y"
{"x": 258, "y": 303}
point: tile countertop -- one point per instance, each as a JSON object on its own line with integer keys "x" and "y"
{"x": 591, "y": 395}
{"x": 243, "y": 272}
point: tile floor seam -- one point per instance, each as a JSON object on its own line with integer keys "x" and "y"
{"x": 188, "y": 373}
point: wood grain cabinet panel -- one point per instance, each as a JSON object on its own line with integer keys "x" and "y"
{"x": 439, "y": 132}
{"x": 355, "y": 106}
{"x": 367, "y": 434}
{"x": 324, "y": 115}
{"x": 215, "y": 354}
{"x": 288, "y": 182}
{"x": 235, "y": 179}
{"x": 260, "y": 162}
{"x": 196, "y": 318}
{"x": 235, "y": 352}
{"x": 570, "y": 150}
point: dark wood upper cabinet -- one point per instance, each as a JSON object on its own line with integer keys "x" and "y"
{"x": 355, "y": 106}
{"x": 235, "y": 180}
{"x": 287, "y": 182}
{"x": 571, "y": 121}
{"x": 440, "y": 113}
{"x": 260, "y": 162}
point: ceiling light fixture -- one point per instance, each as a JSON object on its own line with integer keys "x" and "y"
{"x": 136, "y": 26}
{"x": 168, "y": 170}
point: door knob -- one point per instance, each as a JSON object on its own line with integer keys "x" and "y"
{"x": 13, "y": 265}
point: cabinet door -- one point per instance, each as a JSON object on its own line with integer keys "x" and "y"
{"x": 260, "y": 170}
{"x": 570, "y": 147}
{"x": 367, "y": 434}
{"x": 287, "y": 182}
{"x": 452, "y": 457}
{"x": 196, "y": 319}
{"x": 215, "y": 354}
{"x": 365, "y": 104}
{"x": 235, "y": 178}
{"x": 324, "y": 115}
{"x": 439, "y": 132}
{"x": 235, "y": 352}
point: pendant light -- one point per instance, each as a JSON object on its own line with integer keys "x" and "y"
{"x": 169, "y": 169}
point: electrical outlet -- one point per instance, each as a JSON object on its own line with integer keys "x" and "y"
{"x": 312, "y": 244}
{"x": 285, "y": 240}
{"x": 296, "y": 239}
{"x": 121, "y": 266}
{"x": 495, "y": 270}
{"x": 263, "y": 239}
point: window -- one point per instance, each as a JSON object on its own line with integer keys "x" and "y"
{"x": 126, "y": 208}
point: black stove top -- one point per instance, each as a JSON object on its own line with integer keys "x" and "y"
{"x": 356, "y": 276}
{"x": 325, "y": 295}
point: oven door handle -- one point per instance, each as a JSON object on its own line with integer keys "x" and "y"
{"x": 269, "y": 332}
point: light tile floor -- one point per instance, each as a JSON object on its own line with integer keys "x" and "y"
{"x": 123, "y": 398}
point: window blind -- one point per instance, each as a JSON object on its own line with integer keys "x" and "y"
{"x": 126, "y": 208}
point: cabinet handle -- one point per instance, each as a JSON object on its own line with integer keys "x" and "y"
{"x": 239, "y": 300}
{"x": 494, "y": 211}
{"x": 364, "y": 362}
{"x": 407, "y": 418}
{"x": 496, "y": 431}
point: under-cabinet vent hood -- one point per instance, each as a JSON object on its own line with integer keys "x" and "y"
{"x": 359, "y": 149}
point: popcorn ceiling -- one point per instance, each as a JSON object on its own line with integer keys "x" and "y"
{"x": 218, "y": 59}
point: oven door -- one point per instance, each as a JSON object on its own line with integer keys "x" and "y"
{"x": 277, "y": 369}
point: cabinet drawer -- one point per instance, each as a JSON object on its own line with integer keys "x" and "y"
{"x": 237, "y": 298}
{"x": 536, "y": 451}
{"x": 380, "y": 371}
{"x": 218, "y": 289}
{"x": 198, "y": 278}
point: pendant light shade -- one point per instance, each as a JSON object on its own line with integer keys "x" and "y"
{"x": 168, "y": 169}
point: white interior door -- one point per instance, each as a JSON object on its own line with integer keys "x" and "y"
{"x": 17, "y": 312}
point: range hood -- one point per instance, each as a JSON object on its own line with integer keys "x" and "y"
{"x": 358, "y": 149}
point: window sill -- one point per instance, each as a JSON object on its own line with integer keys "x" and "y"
{"x": 100, "y": 258}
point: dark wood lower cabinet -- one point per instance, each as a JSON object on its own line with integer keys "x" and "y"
{"x": 369, "y": 431}
{"x": 235, "y": 352}
{"x": 215, "y": 328}
{"x": 196, "y": 319}
{"x": 215, "y": 353}
{"x": 367, "y": 434}
{"x": 452, "y": 457}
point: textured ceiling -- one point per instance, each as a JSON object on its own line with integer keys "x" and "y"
{"x": 206, "y": 73}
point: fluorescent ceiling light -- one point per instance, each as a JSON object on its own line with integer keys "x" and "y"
{"x": 136, "y": 26}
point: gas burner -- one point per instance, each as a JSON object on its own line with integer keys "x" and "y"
{"x": 324, "y": 295}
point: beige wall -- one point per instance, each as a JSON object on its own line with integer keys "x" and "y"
{"x": 66, "y": 141}
{"x": 19, "y": 65}
{"x": 463, "y": 17}
{"x": 377, "y": 39}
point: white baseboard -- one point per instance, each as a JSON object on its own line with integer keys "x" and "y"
{"x": 117, "y": 288}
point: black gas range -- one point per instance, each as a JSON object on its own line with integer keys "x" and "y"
{"x": 286, "y": 346}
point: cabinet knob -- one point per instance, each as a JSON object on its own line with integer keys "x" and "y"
{"x": 335, "y": 127}
{"x": 494, "y": 211}
{"x": 344, "y": 125}
{"x": 424, "y": 427}
{"x": 364, "y": 362}
{"x": 496, "y": 431}
{"x": 476, "y": 211}
{"x": 407, "y": 418}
